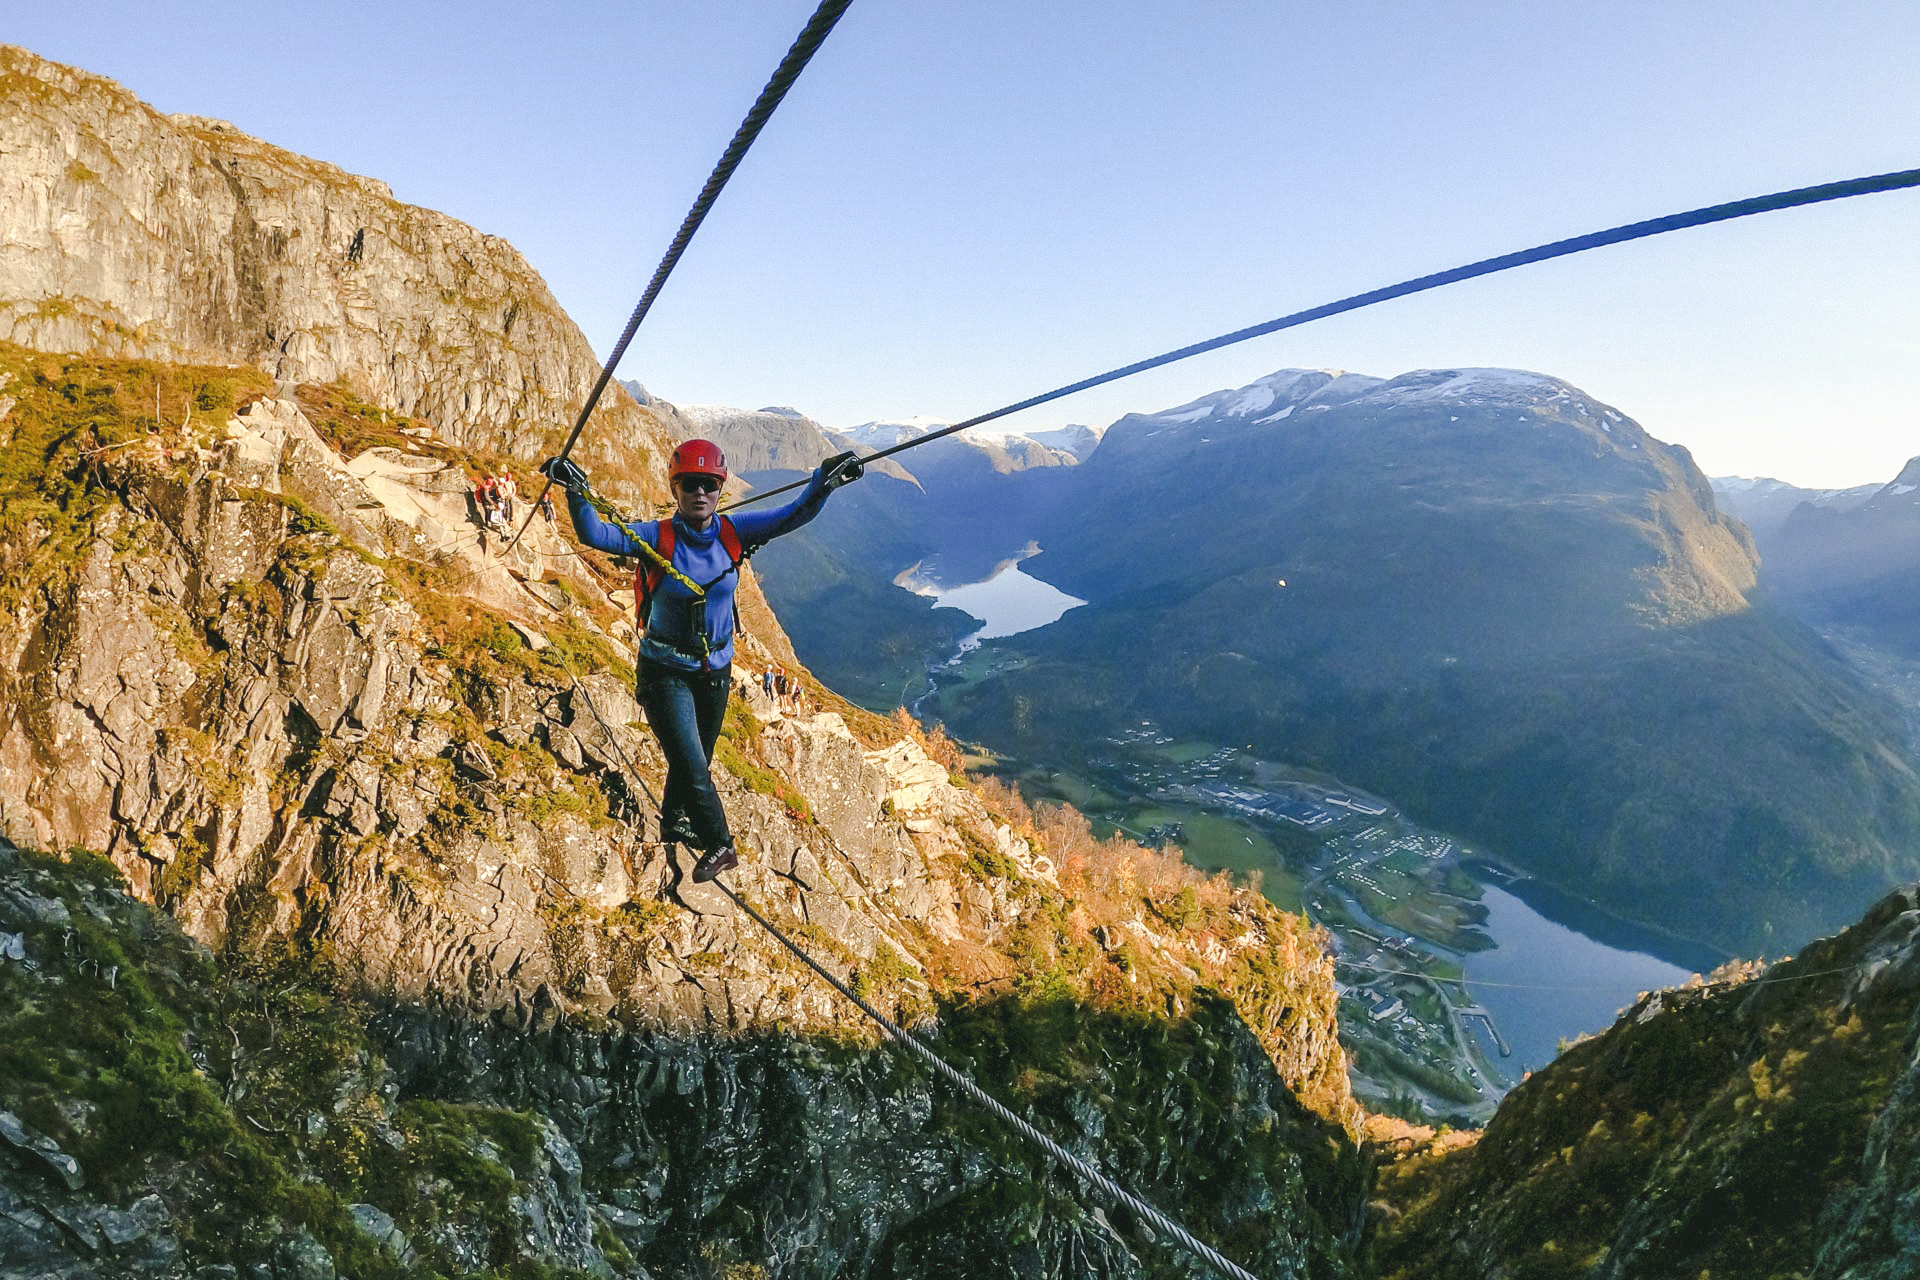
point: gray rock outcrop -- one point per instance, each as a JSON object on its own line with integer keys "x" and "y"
{"x": 181, "y": 238}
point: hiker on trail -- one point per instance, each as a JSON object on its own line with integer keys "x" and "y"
{"x": 508, "y": 491}
{"x": 484, "y": 507}
{"x": 766, "y": 683}
{"x": 684, "y": 597}
{"x": 493, "y": 507}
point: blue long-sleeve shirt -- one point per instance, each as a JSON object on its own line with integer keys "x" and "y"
{"x": 669, "y": 638}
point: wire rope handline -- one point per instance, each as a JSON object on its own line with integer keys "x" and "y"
{"x": 1211, "y": 1256}
{"x": 804, "y": 47}
{"x": 1420, "y": 284}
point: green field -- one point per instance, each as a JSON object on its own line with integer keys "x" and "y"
{"x": 1214, "y": 843}
{"x": 1208, "y": 840}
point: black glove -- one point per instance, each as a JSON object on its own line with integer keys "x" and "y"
{"x": 841, "y": 468}
{"x": 563, "y": 473}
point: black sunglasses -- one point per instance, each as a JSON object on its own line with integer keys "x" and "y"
{"x": 700, "y": 484}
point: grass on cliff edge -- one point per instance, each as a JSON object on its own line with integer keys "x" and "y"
{"x": 68, "y": 417}
{"x": 1728, "y": 1128}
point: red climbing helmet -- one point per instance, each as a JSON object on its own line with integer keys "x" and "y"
{"x": 697, "y": 458}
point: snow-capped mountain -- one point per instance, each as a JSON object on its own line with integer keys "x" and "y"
{"x": 1765, "y": 503}
{"x": 890, "y": 432}
{"x": 1290, "y": 397}
{"x": 1075, "y": 438}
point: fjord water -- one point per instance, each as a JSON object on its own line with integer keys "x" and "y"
{"x": 1559, "y": 968}
{"x": 1545, "y": 981}
{"x": 1007, "y": 603}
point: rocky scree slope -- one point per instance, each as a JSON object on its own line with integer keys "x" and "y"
{"x": 1760, "y": 1125}
{"x": 1492, "y": 598}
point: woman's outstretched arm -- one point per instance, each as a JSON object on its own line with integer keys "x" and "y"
{"x": 764, "y": 526}
{"x": 601, "y": 535}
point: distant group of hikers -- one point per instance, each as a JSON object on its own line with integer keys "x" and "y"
{"x": 785, "y": 690}
{"x": 496, "y": 501}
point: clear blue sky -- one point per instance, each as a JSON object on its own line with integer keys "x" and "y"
{"x": 964, "y": 203}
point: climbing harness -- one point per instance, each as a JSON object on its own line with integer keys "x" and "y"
{"x": 648, "y": 577}
{"x": 1486, "y": 266}
{"x": 804, "y": 47}
{"x": 959, "y": 1079}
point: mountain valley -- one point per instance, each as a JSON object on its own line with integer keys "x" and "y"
{"x": 1475, "y": 592}
{"x": 336, "y": 938}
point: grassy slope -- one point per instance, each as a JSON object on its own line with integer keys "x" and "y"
{"x": 1711, "y": 1133}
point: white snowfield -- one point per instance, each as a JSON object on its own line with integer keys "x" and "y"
{"x": 1307, "y": 390}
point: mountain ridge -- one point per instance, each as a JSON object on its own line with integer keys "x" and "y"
{"x": 1470, "y": 559}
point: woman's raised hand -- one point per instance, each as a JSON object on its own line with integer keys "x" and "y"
{"x": 842, "y": 468}
{"x": 566, "y": 474}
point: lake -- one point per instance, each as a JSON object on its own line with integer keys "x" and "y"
{"x": 1009, "y": 602}
{"x": 1544, "y": 981}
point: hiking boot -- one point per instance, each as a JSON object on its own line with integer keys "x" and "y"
{"x": 678, "y": 830}
{"x": 713, "y": 862}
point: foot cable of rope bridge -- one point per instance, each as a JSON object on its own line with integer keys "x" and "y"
{"x": 960, "y": 1080}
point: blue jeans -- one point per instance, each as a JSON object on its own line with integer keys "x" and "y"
{"x": 685, "y": 710}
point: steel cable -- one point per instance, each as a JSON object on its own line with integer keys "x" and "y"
{"x": 959, "y": 1079}
{"x": 804, "y": 47}
{"x": 1485, "y": 267}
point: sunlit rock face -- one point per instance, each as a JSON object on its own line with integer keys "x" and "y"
{"x": 134, "y": 233}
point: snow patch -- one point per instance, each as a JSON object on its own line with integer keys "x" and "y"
{"x": 1275, "y": 417}
{"x": 1250, "y": 400}
{"x": 1904, "y": 488}
{"x": 889, "y": 432}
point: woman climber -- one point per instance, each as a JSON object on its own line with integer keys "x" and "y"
{"x": 684, "y": 601}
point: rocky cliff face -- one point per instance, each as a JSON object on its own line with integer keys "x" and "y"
{"x": 248, "y": 684}
{"x": 255, "y": 652}
{"x": 133, "y": 233}
{"x": 163, "y": 1116}
{"x": 418, "y": 771}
